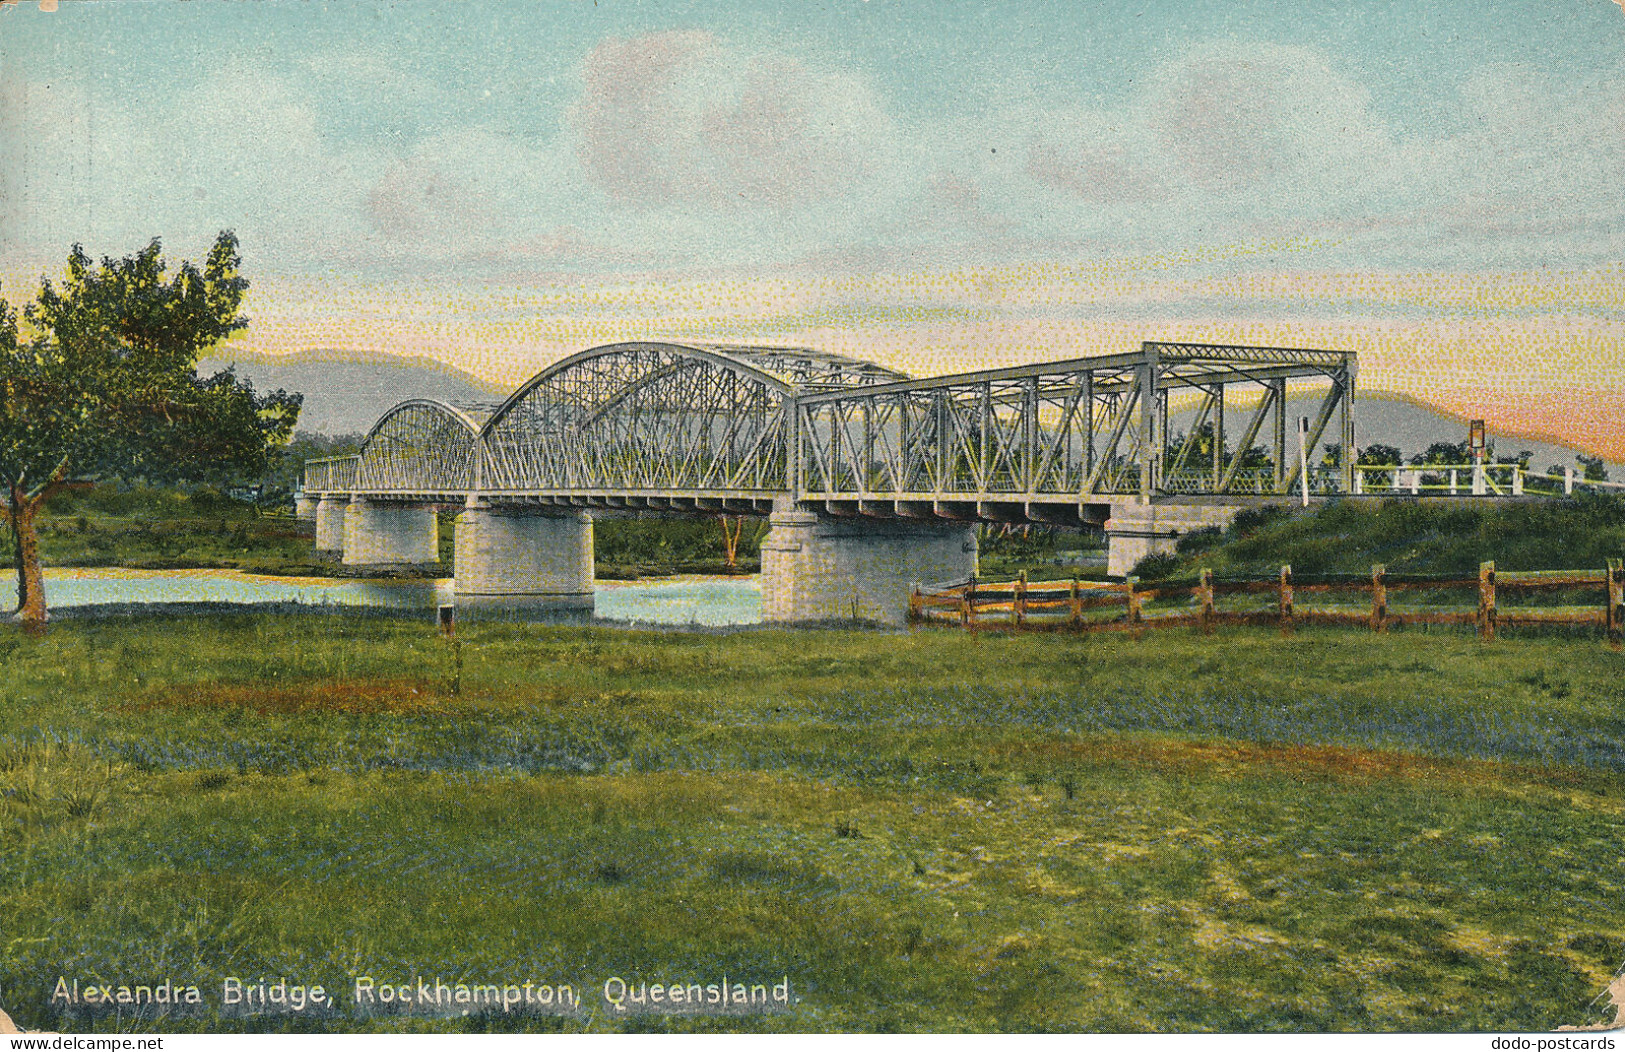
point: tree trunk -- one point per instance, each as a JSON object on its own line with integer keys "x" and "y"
{"x": 30, "y": 579}
{"x": 12, "y": 505}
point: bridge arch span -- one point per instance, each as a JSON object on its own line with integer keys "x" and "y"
{"x": 422, "y": 447}
{"x": 657, "y": 417}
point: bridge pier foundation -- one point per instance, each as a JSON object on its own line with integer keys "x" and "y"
{"x": 386, "y": 534}
{"x": 330, "y": 513}
{"x": 1137, "y": 530}
{"x": 519, "y": 561}
{"x": 816, "y": 568}
{"x": 304, "y": 508}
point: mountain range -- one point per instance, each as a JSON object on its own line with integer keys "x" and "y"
{"x": 345, "y": 393}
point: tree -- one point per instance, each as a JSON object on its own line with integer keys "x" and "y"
{"x": 1454, "y": 454}
{"x": 1444, "y": 454}
{"x": 1200, "y": 458}
{"x": 1379, "y": 455}
{"x": 100, "y": 381}
{"x": 1592, "y": 468}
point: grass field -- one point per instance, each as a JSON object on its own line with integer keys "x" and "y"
{"x": 931, "y": 830}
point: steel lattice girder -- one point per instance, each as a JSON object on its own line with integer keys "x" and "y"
{"x": 658, "y": 417}
{"x": 421, "y": 447}
{"x": 331, "y": 474}
{"x": 1069, "y": 430}
{"x": 719, "y": 421}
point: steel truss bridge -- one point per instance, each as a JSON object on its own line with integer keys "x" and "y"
{"x": 721, "y": 428}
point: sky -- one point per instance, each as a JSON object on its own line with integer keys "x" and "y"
{"x": 1439, "y": 186}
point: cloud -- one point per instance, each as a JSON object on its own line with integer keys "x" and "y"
{"x": 686, "y": 149}
{"x": 417, "y": 202}
{"x": 1097, "y": 158}
{"x": 681, "y": 118}
{"x": 1244, "y": 128}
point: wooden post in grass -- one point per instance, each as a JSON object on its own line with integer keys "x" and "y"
{"x": 1133, "y": 601}
{"x": 968, "y": 609}
{"x": 1615, "y": 619}
{"x": 1018, "y": 605}
{"x": 1486, "y": 600}
{"x": 1379, "y": 598}
{"x": 1205, "y": 595}
{"x": 1074, "y": 604}
{"x": 914, "y": 604}
{"x": 1284, "y": 603}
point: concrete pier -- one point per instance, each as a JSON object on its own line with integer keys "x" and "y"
{"x": 379, "y": 533}
{"x": 518, "y": 561}
{"x": 304, "y": 508}
{"x": 821, "y": 568}
{"x": 1137, "y": 530}
{"x": 330, "y": 512}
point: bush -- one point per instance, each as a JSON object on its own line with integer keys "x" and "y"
{"x": 1156, "y": 566}
{"x": 1251, "y": 520}
{"x": 206, "y": 500}
{"x": 1199, "y": 540}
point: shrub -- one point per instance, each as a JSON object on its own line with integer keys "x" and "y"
{"x": 206, "y": 500}
{"x": 1199, "y": 540}
{"x": 1251, "y": 520}
{"x": 1156, "y": 566}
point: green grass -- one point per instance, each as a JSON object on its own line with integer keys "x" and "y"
{"x": 1435, "y": 537}
{"x": 277, "y": 545}
{"x": 929, "y": 830}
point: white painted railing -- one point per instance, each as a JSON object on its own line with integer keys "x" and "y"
{"x": 1476, "y": 480}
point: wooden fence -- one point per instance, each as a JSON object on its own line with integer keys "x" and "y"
{"x": 1079, "y": 605}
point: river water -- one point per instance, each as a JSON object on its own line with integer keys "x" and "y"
{"x": 701, "y": 601}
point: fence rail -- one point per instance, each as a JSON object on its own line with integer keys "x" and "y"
{"x": 1349, "y": 600}
{"x": 1482, "y": 480}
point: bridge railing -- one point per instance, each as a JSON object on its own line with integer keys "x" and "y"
{"x": 1481, "y": 480}
{"x": 330, "y": 474}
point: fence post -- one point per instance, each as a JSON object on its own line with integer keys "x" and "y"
{"x": 1018, "y": 605}
{"x": 1568, "y": 481}
{"x": 1075, "y": 607}
{"x": 1452, "y": 482}
{"x": 1206, "y": 595}
{"x": 914, "y": 604}
{"x": 1284, "y": 607}
{"x": 1517, "y": 481}
{"x": 1615, "y": 620}
{"x": 1486, "y": 600}
{"x": 1133, "y": 601}
{"x": 968, "y": 611}
{"x": 1379, "y": 598}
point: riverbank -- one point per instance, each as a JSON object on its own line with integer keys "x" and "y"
{"x": 159, "y": 536}
{"x": 923, "y": 831}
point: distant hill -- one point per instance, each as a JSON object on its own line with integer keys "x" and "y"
{"x": 345, "y": 395}
{"x": 1408, "y": 425}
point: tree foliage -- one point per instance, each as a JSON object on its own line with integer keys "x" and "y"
{"x": 100, "y": 380}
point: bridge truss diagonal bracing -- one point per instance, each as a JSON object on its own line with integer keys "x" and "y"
{"x": 1086, "y": 429}
{"x": 421, "y": 449}
{"x": 645, "y": 418}
{"x": 734, "y": 428}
